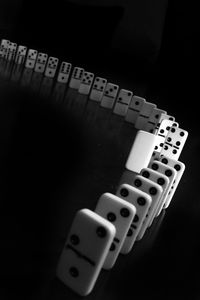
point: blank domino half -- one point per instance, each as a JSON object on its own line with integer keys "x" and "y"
{"x": 85, "y": 251}
{"x": 141, "y": 152}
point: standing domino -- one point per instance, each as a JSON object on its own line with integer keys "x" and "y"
{"x": 122, "y": 102}
{"x": 85, "y": 251}
{"x": 86, "y": 83}
{"x": 120, "y": 213}
{"x": 4, "y": 48}
{"x": 169, "y": 172}
{"x": 174, "y": 143}
{"x": 144, "y": 115}
{"x": 154, "y": 119}
{"x": 12, "y": 47}
{"x": 51, "y": 67}
{"x": 162, "y": 133}
{"x": 160, "y": 179}
{"x": 41, "y": 62}
{"x": 180, "y": 168}
{"x": 109, "y": 95}
{"x": 134, "y": 109}
{"x": 142, "y": 202}
{"x": 20, "y": 55}
{"x": 141, "y": 151}
{"x": 64, "y": 72}
{"x": 98, "y": 89}
{"x": 31, "y": 58}
{"x": 77, "y": 75}
{"x": 155, "y": 191}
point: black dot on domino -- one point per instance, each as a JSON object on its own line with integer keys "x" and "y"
{"x": 124, "y": 212}
{"x": 130, "y": 232}
{"x": 161, "y": 181}
{"x": 177, "y": 167}
{"x": 141, "y": 201}
{"x": 74, "y": 272}
{"x": 154, "y": 166}
{"x": 182, "y": 133}
{"x": 74, "y": 239}
{"x": 138, "y": 182}
{"x": 146, "y": 174}
{"x": 168, "y": 173}
{"x": 136, "y": 219}
{"x": 164, "y": 161}
{"x": 111, "y": 217}
{"x": 136, "y": 103}
{"x": 112, "y": 247}
{"x": 173, "y": 130}
{"x": 101, "y": 232}
{"x": 124, "y": 192}
{"x": 153, "y": 191}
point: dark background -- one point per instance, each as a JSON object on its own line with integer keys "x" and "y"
{"x": 48, "y": 154}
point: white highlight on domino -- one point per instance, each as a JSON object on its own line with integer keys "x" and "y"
{"x": 142, "y": 202}
{"x": 77, "y": 75}
{"x": 134, "y": 109}
{"x": 120, "y": 213}
{"x": 85, "y": 251}
{"x": 98, "y": 88}
{"x": 144, "y": 115}
{"x": 51, "y": 67}
{"x": 64, "y": 72}
{"x": 141, "y": 152}
{"x": 180, "y": 168}
{"x": 86, "y": 83}
{"x": 109, "y": 95}
{"x": 122, "y": 102}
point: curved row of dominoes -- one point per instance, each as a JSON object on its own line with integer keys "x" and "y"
{"x": 151, "y": 177}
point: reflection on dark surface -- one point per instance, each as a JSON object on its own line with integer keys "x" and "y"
{"x": 59, "y": 152}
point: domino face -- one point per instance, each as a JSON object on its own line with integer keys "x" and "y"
{"x": 155, "y": 191}
{"x": 162, "y": 133}
{"x": 154, "y": 119}
{"x": 144, "y": 115}
{"x": 85, "y": 250}
{"x": 170, "y": 173}
{"x": 41, "y": 62}
{"x": 86, "y": 83}
{"x": 4, "y": 48}
{"x": 31, "y": 58}
{"x": 180, "y": 168}
{"x": 12, "y": 47}
{"x": 76, "y": 78}
{"x": 141, "y": 151}
{"x": 64, "y": 72}
{"x": 160, "y": 179}
{"x": 122, "y": 102}
{"x": 174, "y": 143}
{"x": 51, "y": 67}
{"x": 98, "y": 89}
{"x": 120, "y": 213}
{"x": 142, "y": 202}
{"x": 20, "y": 55}
{"x": 134, "y": 109}
{"x": 109, "y": 95}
